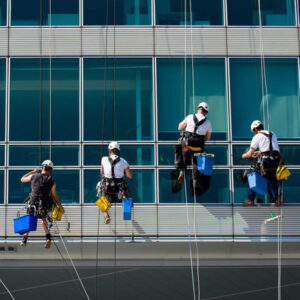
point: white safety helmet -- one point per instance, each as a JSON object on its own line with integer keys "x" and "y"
{"x": 204, "y": 106}
{"x": 255, "y": 124}
{"x": 114, "y": 145}
{"x": 47, "y": 163}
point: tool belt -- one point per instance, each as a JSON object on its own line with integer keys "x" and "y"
{"x": 114, "y": 186}
{"x": 42, "y": 207}
{"x": 194, "y": 140}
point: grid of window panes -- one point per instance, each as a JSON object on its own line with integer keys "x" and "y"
{"x": 148, "y": 12}
{"x": 49, "y": 115}
{"x": 70, "y": 108}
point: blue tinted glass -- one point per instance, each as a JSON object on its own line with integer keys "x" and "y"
{"x": 247, "y": 103}
{"x": 238, "y": 151}
{"x": 3, "y": 10}
{"x": 1, "y": 186}
{"x": 210, "y": 86}
{"x": 17, "y": 191}
{"x": 1, "y": 155}
{"x": 121, "y": 12}
{"x": 217, "y": 193}
{"x": 2, "y": 98}
{"x": 30, "y": 99}
{"x": 34, "y": 155}
{"x": 273, "y": 12}
{"x": 141, "y": 186}
{"x": 36, "y": 12}
{"x": 291, "y": 188}
{"x": 67, "y": 185}
{"x": 166, "y": 154}
{"x": 91, "y": 178}
{"x": 134, "y": 154}
{"x": 126, "y": 114}
{"x": 172, "y": 12}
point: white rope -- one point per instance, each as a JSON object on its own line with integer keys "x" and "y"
{"x": 50, "y": 82}
{"x": 10, "y": 294}
{"x": 71, "y": 260}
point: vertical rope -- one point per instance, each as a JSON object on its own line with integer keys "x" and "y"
{"x": 50, "y": 82}
{"x": 41, "y": 84}
{"x": 8, "y": 291}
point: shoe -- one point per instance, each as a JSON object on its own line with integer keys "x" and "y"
{"x": 249, "y": 203}
{"x": 279, "y": 202}
{"x": 107, "y": 220}
{"x": 48, "y": 244}
{"x": 24, "y": 242}
{"x": 181, "y": 177}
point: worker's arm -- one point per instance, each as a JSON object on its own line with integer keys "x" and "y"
{"x": 182, "y": 125}
{"x": 249, "y": 153}
{"x": 27, "y": 177}
{"x": 208, "y": 136}
{"x": 128, "y": 173}
{"x": 102, "y": 170}
{"x": 55, "y": 196}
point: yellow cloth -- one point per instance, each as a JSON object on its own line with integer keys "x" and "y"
{"x": 282, "y": 172}
{"x": 57, "y": 213}
{"x": 103, "y": 203}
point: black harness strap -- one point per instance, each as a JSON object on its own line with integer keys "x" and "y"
{"x": 113, "y": 163}
{"x": 197, "y": 123}
{"x": 269, "y": 135}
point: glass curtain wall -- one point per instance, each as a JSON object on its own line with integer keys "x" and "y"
{"x": 3, "y": 12}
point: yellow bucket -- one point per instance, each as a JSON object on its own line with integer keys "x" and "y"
{"x": 103, "y": 203}
{"x": 57, "y": 213}
{"x": 282, "y": 172}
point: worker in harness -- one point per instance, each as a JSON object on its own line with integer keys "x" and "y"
{"x": 43, "y": 192}
{"x": 268, "y": 160}
{"x": 197, "y": 131}
{"x": 113, "y": 169}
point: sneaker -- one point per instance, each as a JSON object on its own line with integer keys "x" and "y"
{"x": 181, "y": 176}
{"x": 248, "y": 203}
{"x": 107, "y": 220}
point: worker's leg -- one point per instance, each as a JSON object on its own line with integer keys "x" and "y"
{"x": 251, "y": 198}
{"x": 24, "y": 240}
{"x": 179, "y": 163}
{"x": 273, "y": 182}
{"x": 48, "y": 235}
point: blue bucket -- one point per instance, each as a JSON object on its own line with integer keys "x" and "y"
{"x": 25, "y": 224}
{"x": 205, "y": 164}
{"x": 127, "y": 206}
{"x": 257, "y": 183}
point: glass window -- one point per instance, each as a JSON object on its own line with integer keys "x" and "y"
{"x": 273, "y": 12}
{"x": 134, "y": 154}
{"x": 141, "y": 186}
{"x": 118, "y": 99}
{"x": 3, "y": 10}
{"x": 34, "y": 155}
{"x": 121, "y": 12}
{"x": 1, "y": 187}
{"x": 248, "y": 103}
{"x": 217, "y": 193}
{"x": 67, "y": 186}
{"x": 291, "y": 188}
{"x": 210, "y": 86}
{"x": 1, "y": 155}
{"x": 166, "y": 154}
{"x": 2, "y": 98}
{"x": 30, "y": 99}
{"x": 36, "y": 12}
{"x": 172, "y": 12}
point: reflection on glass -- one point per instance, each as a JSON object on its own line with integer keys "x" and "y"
{"x": 121, "y": 12}
{"x": 171, "y": 192}
{"x": 177, "y": 12}
{"x": 210, "y": 86}
{"x": 30, "y": 99}
{"x": 248, "y": 104}
{"x": 273, "y": 12}
{"x": 2, "y": 155}
{"x": 1, "y": 187}
{"x": 37, "y": 12}
{"x": 120, "y": 108}
{"x": 3, "y": 10}
{"x": 34, "y": 155}
{"x": 166, "y": 154}
{"x": 2, "y": 98}
{"x": 141, "y": 186}
{"x": 134, "y": 154}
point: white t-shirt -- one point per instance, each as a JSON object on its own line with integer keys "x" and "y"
{"x": 202, "y": 129}
{"x": 262, "y": 142}
{"x": 119, "y": 168}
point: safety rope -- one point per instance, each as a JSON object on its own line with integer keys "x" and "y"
{"x": 72, "y": 263}
{"x": 8, "y": 291}
{"x": 50, "y": 82}
{"x": 185, "y": 187}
